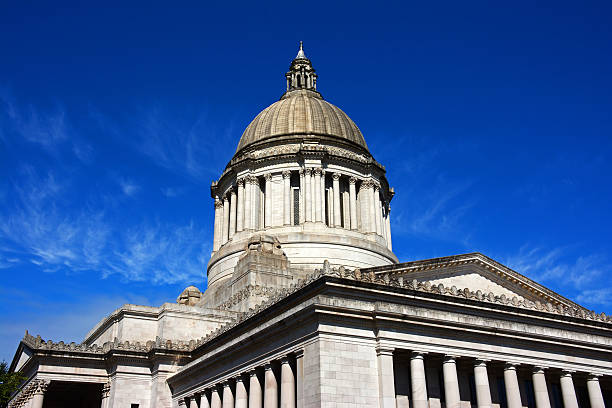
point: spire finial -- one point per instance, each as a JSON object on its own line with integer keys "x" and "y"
{"x": 300, "y": 53}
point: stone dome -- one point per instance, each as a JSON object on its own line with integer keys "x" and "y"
{"x": 299, "y": 114}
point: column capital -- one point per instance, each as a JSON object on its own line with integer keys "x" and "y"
{"x": 298, "y": 353}
{"x": 384, "y": 351}
{"x": 238, "y": 378}
{"x": 240, "y": 182}
{"x": 232, "y": 192}
{"x": 352, "y": 180}
{"x": 417, "y": 355}
{"x": 284, "y": 360}
{"x": 318, "y": 171}
{"x": 593, "y": 377}
{"x": 218, "y": 203}
{"x": 40, "y": 386}
{"x": 567, "y": 373}
{"x": 253, "y": 372}
{"x": 106, "y": 390}
{"x": 450, "y": 358}
{"x": 268, "y": 176}
{"x": 538, "y": 369}
{"x": 336, "y": 176}
{"x": 226, "y": 197}
{"x": 481, "y": 362}
{"x": 182, "y": 402}
{"x": 308, "y": 171}
{"x": 509, "y": 365}
{"x": 225, "y": 383}
{"x": 286, "y": 174}
{"x": 268, "y": 366}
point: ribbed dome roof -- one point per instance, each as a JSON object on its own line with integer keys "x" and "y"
{"x": 301, "y": 113}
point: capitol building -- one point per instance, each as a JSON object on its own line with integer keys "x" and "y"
{"x": 307, "y": 306}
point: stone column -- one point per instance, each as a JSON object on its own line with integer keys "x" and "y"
{"x": 242, "y": 399}
{"x": 386, "y": 381}
{"x": 248, "y": 203}
{"x": 204, "y": 402}
{"x": 388, "y": 221}
{"x": 372, "y": 208}
{"x": 233, "y": 212}
{"x": 255, "y": 203}
{"x": 417, "y": 380}
{"x": 287, "y": 399}
{"x": 323, "y": 196}
{"x": 481, "y": 380}
{"x": 255, "y": 395}
{"x": 228, "y": 395}
{"x": 336, "y": 185}
{"x": 568, "y": 392}
{"x": 365, "y": 198}
{"x": 105, "y": 395}
{"x": 268, "y": 201}
{"x": 317, "y": 195}
{"x": 226, "y": 213}
{"x": 513, "y": 391}
{"x": 302, "y": 196}
{"x": 218, "y": 224}
{"x": 192, "y": 402}
{"x": 287, "y": 197}
{"x": 299, "y": 373}
{"x": 451, "y": 382}
{"x": 308, "y": 196}
{"x": 240, "y": 215}
{"x": 376, "y": 208}
{"x": 39, "y": 393}
{"x": 215, "y": 400}
{"x": 595, "y": 396}
{"x": 270, "y": 388}
{"x": 540, "y": 390}
{"x": 353, "y": 202}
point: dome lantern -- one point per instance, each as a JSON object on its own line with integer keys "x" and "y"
{"x": 301, "y": 74}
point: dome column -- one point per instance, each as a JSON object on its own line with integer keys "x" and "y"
{"x": 226, "y": 213}
{"x": 217, "y": 226}
{"x": 268, "y": 201}
{"x": 388, "y": 225}
{"x": 336, "y": 191}
{"x": 302, "y": 193}
{"x": 377, "y": 210}
{"x": 232, "y": 218}
{"x": 286, "y": 197}
{"x": 353, "y": 202}
{"x": 240, "y": 215}
{"x": 308, "y": 196}
{"x": 317, "y": 195}
{"x": 248, "y": 204}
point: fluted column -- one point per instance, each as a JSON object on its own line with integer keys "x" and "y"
{"x": 317, "y": 195}
{"x": 255, "y": 203}
{"x": 215, "y": 399}
{"x": 287, "y": 197}
{"x": 513, "y": 392}
{"x": 376, "y": 208}
{"x": 568, "y": 392}
{"x": 228, "y": 395}
{"x": 353, "y": 202}
{"x": 255, "y": 394}
{"x": 287, "y": 385}
{"x": 240, "y": 214}
{"x": 204, "y": 402}
{"x": 417, "y": 380}
{"x": 451, "y": 382}
{"x": 302, "y": 197}
{"x": 105, "y": 395}
{"x": 248, "y": 203}
{"x": 308, "y": 196}
{"x": 386, "y": 381}
{"x": 242, "y": 399}
{"x": 225, "y": 226}
{"x": 299, "y": 374}
{"x": 481, "y": 380}
{"x": 39, "y": 393}
{"x": 372, "y": 207}
{"x": 595, "y": 395}
{"x": 268, "y": 201}
{"x": 365, "y": 199}
{"x": 322, "y": 187}
{"x": 270, "y": 388}
{"x": 218, "y": 224}
{"x": 233, "y": 212}
{"x": 336, "y": 186}
{"x": 540, "y": 390}
{"x": 388, "y": 221}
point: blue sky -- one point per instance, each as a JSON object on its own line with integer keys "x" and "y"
{"x": 493, "y": 122}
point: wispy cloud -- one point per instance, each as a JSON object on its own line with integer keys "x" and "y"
{"x": 128, "y": 187}
{"x": 36, "y": 229}
{"x": 172, "y": 192}
{"x": 557, "y": 267}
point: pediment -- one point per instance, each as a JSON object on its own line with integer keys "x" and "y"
{"x": 21, "y": 358}
{"x": 476, "y": 272}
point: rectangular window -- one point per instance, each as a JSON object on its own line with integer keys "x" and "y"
{"x": 296, "y": 206}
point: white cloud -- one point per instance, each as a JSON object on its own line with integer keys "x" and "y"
{"x": 172, "y": 192}
{"x": 128, "y": 187}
